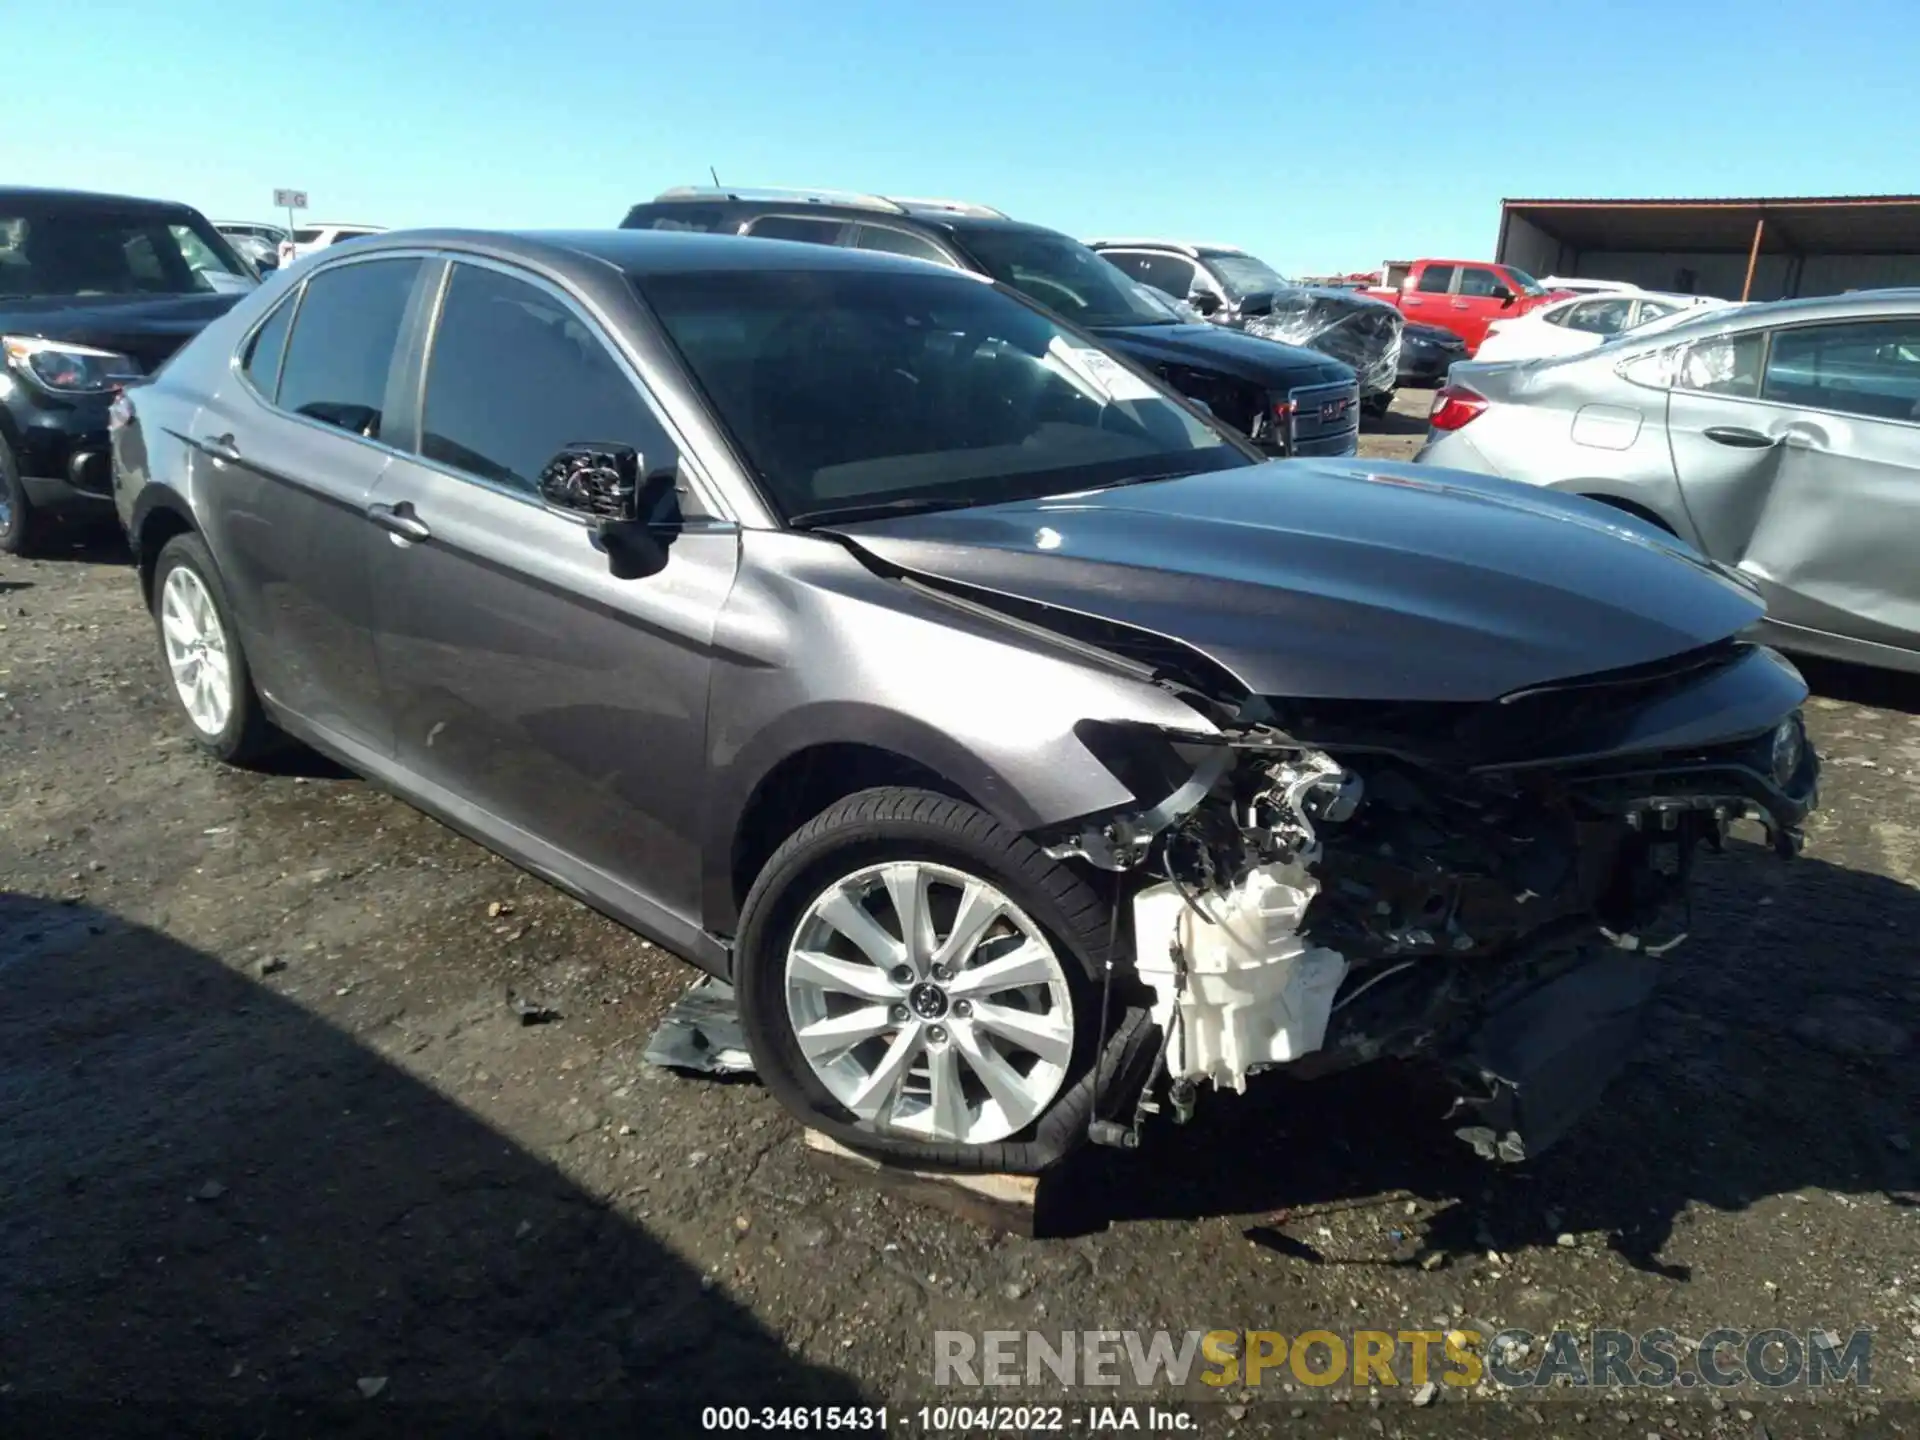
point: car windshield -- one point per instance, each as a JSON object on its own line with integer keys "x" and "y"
{"x": 51, "y": 250}
{"x": 858, "y": 392}
{"x": 1243, "y": 275}
{"x": 1065, "y": 276}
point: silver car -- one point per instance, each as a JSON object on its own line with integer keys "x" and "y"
{"x": 1782, "y": 439}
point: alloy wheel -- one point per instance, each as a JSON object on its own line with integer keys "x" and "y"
{"x": 929, "y": 1004}
{"x": 196, "y": 646}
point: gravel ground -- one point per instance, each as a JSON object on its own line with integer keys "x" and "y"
{"x": 280, "y": 1150}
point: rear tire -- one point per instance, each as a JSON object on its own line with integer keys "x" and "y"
{"x": 206, "y": 669}
{"x": 917, "y": 1069}
{"x": 21, "y": 526}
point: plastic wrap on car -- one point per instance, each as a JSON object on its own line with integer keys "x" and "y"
{"x": 1354, "y": 329}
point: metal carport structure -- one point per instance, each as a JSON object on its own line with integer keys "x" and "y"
{"x": 1759, "y": 249}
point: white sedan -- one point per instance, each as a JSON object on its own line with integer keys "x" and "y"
{"x": 1569, "y": 327}
{"x": 309, "y": 238}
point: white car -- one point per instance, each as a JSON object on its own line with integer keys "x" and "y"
{"x": 1568, "y": 327}
{"x": 309, "y": 238}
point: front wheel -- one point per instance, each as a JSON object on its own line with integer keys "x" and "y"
{"x": 20, "y": 525}
{"x": 920, "y": 983}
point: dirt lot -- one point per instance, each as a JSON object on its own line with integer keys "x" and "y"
{"x": 280, "y": 1153}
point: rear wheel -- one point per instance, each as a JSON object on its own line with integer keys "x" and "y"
{"x": 200, "y": 646}
{"x": 919, "y": 982}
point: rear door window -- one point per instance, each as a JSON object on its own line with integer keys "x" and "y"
{"x": 343, "y": 341}
{"x": 516, "y": 376}
{"x": 1435, "y": 280}
{"x": 796, "y": 227}
{"x": 1600, "y": 317}
{"x": 1867, "y": 368}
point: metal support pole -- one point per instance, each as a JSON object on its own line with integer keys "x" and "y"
{"x": 1753, "y": 256}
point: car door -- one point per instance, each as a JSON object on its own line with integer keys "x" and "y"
{"x": 1427, "y": 299}
{"x": 1475, "y": 303}
{"x": 291, "y": 448}
{"x": 538, "y": 696}
{"x": 1836, "y": 536}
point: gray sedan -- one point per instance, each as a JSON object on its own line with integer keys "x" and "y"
{"x": 1783, "y": 439}
{"x": 1008, "y": 732}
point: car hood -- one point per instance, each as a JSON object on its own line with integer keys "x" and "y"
{"x": 147, "y": 327}
{"x": 1228, "y": 352}
{"x": 1335, "y": 578}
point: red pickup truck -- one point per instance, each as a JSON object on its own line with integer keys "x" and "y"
{"x": 1464, "y": 296}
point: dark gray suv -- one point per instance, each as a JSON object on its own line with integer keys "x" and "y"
{"x": 1016, "y": 739}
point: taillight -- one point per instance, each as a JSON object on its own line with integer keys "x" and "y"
{"x": 1454, "y": 406}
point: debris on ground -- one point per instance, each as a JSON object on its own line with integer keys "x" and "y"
{"x": 701, "y": 1034}
{"x": 532, "y": 1012}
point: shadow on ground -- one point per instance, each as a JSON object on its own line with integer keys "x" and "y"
{"x": 1778, "y": 1056}
{"x": 1394, "y": 422}
{"x": 225, "y": 1216}
{"x": 1881, "y": 689}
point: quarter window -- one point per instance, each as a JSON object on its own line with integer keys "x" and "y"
{"x": 1870, "y": 369}
{"x": 795, "y": 227}
{"x": 1723, "y": 364}
{"x": 516, "y": 376}
{"x": 899, "y": 242}
{"x": 1436, "y": 279}
{"x": 343, "y": 341}
{"x": 261, "y": 363}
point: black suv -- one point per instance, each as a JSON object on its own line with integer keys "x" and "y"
{"x": 1289, "y": 400}
{"x": 94, "y": 290}
{"x": 1231, "y": 287}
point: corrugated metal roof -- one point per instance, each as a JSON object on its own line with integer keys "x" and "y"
{"x": 1804, "y": 224}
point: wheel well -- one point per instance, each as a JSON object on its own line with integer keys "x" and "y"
{"x": 807, "y": 782}
{"x": 160, "y": 526}
{"x": 1632, "y": 509}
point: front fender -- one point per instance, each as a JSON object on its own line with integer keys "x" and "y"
{"x": 815, "y": 649}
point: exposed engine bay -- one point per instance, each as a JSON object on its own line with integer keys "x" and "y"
{"x": 1317, "y": 906}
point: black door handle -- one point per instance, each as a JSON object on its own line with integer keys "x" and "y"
{"x": 400, "y": 520}
{"x": 222, "y": 448}
{"x": 1739, "y": 438}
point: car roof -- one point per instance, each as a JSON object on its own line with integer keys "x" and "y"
{"x": 88, "y": 199}
{"x": 909, "y": 215}
{"x": 644, "y": 252}
{"x": 1194, "y": 249}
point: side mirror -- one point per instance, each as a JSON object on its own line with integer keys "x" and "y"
{"x": 594, "y": 482}
{"x": 1503, "y": 295}
{"x": 1205, "y": 301}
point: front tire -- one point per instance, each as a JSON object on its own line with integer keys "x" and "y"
{"x": 921, "y": 983}
{"x": 200, "y": 647}
{"x": 20, "y": 524}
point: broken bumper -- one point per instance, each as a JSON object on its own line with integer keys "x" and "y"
{"x": 1538, "y": 1065}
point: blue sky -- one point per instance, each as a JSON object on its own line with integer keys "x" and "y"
{"x": 1322, "y": 137}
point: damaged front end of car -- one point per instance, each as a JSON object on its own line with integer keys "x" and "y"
{"x": 1490, "y": 886}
